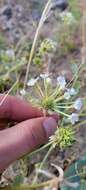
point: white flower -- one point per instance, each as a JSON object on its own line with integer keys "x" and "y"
{"x": 48, "y": 80}
{"x": 22, "y": 92}
{"x": 67, "y": 17}
{"x": 78, "y": 104}
{"x": 61, "y": 82}
{"x": 10, "y": 53}
{"x": 32, "y": 81}
{"x": 74, "y": 118}
{"x": 69, "y": 92}
{"x": 72, "y": 91}
{"x": 67, "y": 95}
{"x": 44, "y": 76}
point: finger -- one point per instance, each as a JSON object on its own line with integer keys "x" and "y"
{"x": 14, "y": 108}
{"x": 24, "y": 138}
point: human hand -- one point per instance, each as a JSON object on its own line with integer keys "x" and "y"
{"x": 32, "y": 129}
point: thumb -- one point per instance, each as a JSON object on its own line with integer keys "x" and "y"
{"x": 24, "y": 138}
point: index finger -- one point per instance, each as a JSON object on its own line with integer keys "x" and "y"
{"x": 15, "y": 109}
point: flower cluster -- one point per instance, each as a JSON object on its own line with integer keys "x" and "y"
{"x": 60, "y": 99}
{"x": 64, "y": 137}
{"x": 48, "y": 46}
{"x": 67, "y": 17}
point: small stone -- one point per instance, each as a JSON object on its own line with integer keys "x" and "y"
{"x": 9, "y": 25}
{"x": 7, "y": 11}
{"x": 18, "y": 9}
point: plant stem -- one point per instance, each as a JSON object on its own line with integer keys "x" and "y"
{"x": 42, "y": 163}
{"x": 57, "y": 91}
{"x": 64, "y": 107}
{"x": 42, "y": 20}
{"x": 63, "y": 103}
{"x": 40, "y": 149}
{"x": 39, "y": 90}
{"x": 83, "y": 114}
{"x": 33, "y": 186}
{"x": 2, "y": 101}
{"x": 62, "y": 113}
{"x": 81, "y": 123}
{"x": 59, "y": 98}
{"x": 45, "y": 87}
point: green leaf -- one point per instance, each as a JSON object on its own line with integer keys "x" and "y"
{"x": 74, "y": 176}
{"x": 18, "y": 180}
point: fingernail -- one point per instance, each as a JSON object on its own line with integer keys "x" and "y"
{"x": 50, "y": 126}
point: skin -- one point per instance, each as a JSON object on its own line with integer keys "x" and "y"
{"x": 31, "y": 130}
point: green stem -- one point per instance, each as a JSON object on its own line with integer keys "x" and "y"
{"x": 42, "y": 163}
{"x": 62, "y": 113}
{"x": 81, "y": 123}
{"x": 57, "y": 90}
{"x": 63, "y": 103}
{"x": 68, "y": 107}
{"x": 46, "y": 156}
{"x": 83, "y": 114}
{"x": 45, "y": 87}
{"x": 40, "y": 149}
{"x": 27, "y": 187}
{"x": 39, "y": 90}
{"x": 4, "y": 98}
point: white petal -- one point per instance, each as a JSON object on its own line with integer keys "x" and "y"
{"x": 78, "y": 104}
{"x": 22, "y": 92}
{"x": 61, "y": 81}
{"x": 67, "y": 95}
{"x": 74, "y": 117}
{"x": 44, "y": 76}
{"x": 72, "y": 91}
{"x": 48, "y": 80}
{"x": 10, "y": 53}
{"x": 32, "y": 81}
